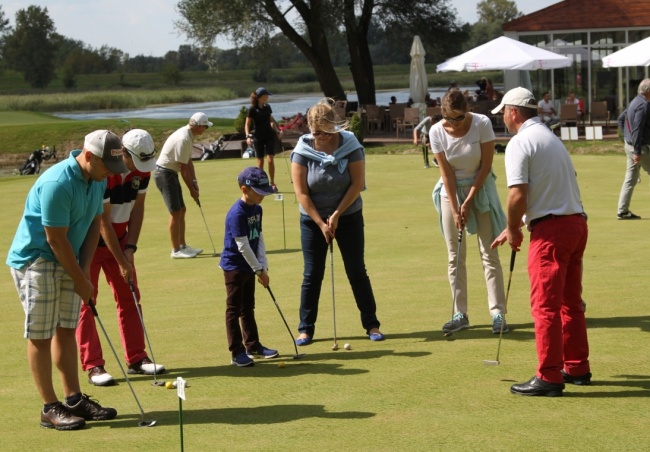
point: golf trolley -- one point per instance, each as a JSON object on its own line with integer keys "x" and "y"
{"x": 33, "y": 163}
{"x": 214, "y": 150}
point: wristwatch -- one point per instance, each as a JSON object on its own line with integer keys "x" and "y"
{"x": 259, "y": 272}
{"x": 128, "y": 246}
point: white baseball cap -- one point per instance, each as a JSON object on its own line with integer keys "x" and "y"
{"x": 141, "y": 147}
{"x": 519, "y": 97}
{"x": 200, "y": 119}
{"x": 107, "y": 146}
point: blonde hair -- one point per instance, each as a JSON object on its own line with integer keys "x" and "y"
{"x": 323, "y": 118}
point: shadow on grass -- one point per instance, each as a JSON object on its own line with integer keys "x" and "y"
{"x": 598, "y": 388}
{"x": 261, "y": 415}
{"x": 287, "y": 251}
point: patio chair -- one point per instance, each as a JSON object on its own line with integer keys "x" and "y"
{"x": 374, "y": 115}
{"x": 599, "y": 112}
{"x": 569, "y": 115}
{"x": 395, "y": 112}
{"x": 434, "y": 112}
{"x": 411, "y": 119}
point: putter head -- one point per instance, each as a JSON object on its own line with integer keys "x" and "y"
{"x": 335, "y": 346}
{"x": 489, "y": 362}
{"x": 147, "y": 423}
{"x": 299, "y": 356}
{"x": 158, "y": 383}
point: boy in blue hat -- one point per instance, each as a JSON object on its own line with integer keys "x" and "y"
{"x": 243, "y": 258}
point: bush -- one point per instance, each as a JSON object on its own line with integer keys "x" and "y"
{"x": 240, "y": 120}
{"x": 356, "y": 127}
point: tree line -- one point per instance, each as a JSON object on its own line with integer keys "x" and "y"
{"x": 322, "y": 34}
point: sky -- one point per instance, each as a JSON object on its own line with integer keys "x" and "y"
{"x": 146, "y": 27}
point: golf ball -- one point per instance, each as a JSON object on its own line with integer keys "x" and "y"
{"x": 347, "y": 347}
{"x": 169, "y": 385}
{"x": 281, "y": 364}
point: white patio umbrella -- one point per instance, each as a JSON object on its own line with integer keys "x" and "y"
{"x": 504, "y": 53}
{"x": 418, "y": 84}
{"x": 637, "y": 54}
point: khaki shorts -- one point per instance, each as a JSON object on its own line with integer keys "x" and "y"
{"x": 47, "y": 294}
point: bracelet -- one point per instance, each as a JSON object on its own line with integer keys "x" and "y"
{"x": 249, "y": 135}
{"x": 128, "y": 246}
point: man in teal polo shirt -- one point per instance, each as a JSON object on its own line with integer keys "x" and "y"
{"x": 50, "y": 259}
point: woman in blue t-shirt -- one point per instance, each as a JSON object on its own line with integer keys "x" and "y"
{"x": 328, "y": 172}
{"x": 260, "y": 118}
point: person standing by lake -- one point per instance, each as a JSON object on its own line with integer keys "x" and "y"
{"x": 467, "y": 200}
{"x": 260, "y": 118}
{"x": 328, "y": 173}
{"x": 176, "y": 157}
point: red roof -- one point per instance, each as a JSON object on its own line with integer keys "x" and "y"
{"x": 584, "y": 14}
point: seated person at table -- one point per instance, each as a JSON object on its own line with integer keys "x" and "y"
{"x": 572, "y": 100}
{"x": 547, "y": 112}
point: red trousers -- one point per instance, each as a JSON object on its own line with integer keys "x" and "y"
{"x": 555, "y": 268}
{"x": 131, "y": 332}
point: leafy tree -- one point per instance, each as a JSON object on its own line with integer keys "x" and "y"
{"x": 316, "y": 22}
{"x": 4, "y": 28}
{"x": 171, "y": 74}
{"x": 492, "y": 14}
{"x": 31, "y": 48}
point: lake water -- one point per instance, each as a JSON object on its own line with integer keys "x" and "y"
{"x": 282, "y": 105}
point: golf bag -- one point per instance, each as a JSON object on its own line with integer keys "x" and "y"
{"x": 33, "y": 163}
{"x": 214, "y": 150}
{"x": 49, "y": 154}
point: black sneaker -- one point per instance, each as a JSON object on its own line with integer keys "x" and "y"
{"x": 580, "y": 380}
{"x": 60, "y": 418}
{"x": 628, "y": 216}
{"x": 90, "y": 410}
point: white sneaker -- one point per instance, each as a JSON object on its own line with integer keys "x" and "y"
{"x": 182, "y": 254}
{"x": 146, "y": 366}
{"x": 99, "y": 377}
{"x": 194, "y": 251}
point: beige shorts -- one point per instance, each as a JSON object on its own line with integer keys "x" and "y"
{"x": 47, "y": 294}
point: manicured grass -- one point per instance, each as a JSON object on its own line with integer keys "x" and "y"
{"x": 415, "y": 391}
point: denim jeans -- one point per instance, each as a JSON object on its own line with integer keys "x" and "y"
{"x": 350, "y": 241}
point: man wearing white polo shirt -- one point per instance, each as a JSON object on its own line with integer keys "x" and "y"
{"x": 176, "y": 157}
{"x": 544, "y": 195}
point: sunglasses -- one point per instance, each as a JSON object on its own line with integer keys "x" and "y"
{"x": 142, "y": 156}
{"x": 320, "y": 134}
{"x": 456, "y": 119}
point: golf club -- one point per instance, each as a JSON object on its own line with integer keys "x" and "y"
{"x": 297, "y": 355}
{"x": 153, "y": 358}
{"x": 214, "y": 250}
{"x": 496, "y": 362}
{"x": 286, "y": 161}
{"x": 336, "y": 344}
{"x": 453, "y": 302}
{"x": 142, "y": 423}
